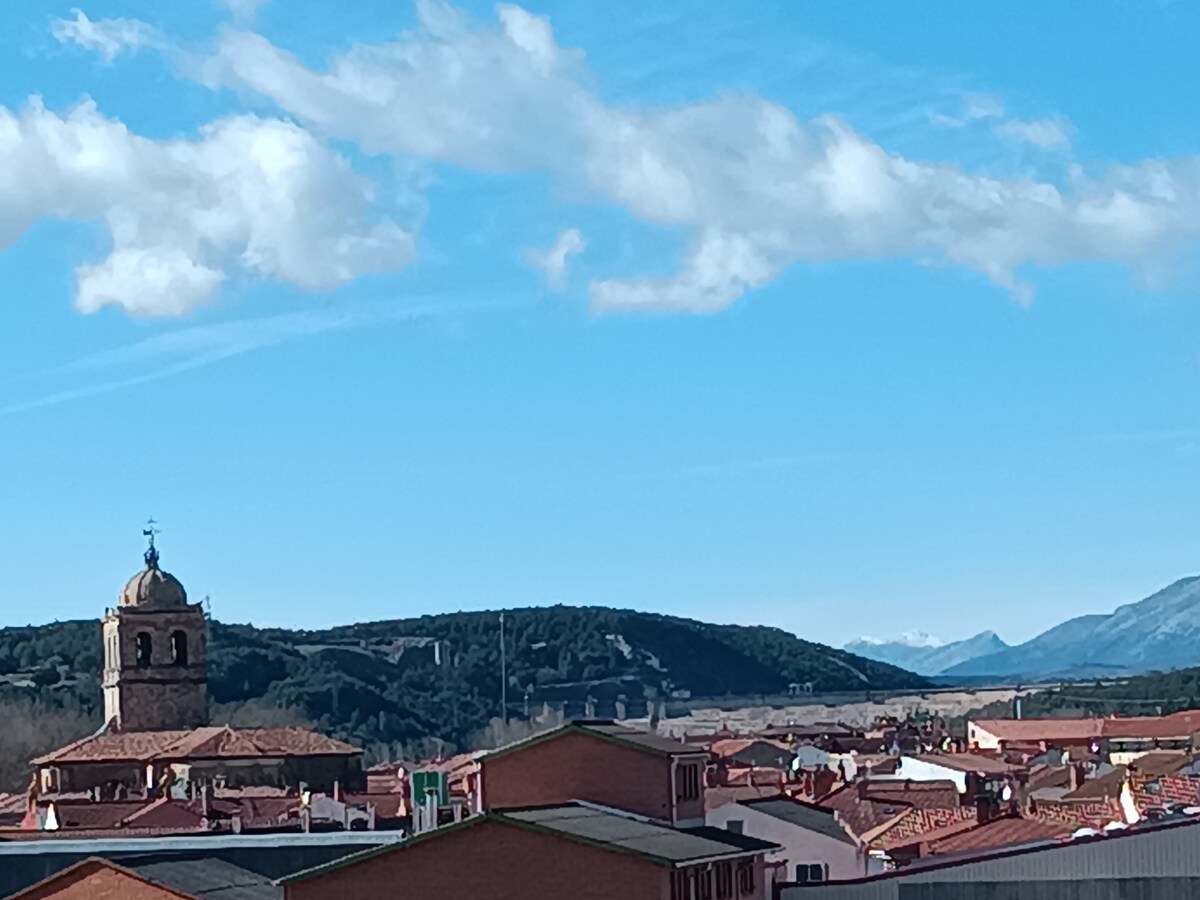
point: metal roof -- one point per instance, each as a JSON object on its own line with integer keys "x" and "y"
{"x": 821, "y": 821}
{"x": 206, "y": 841}
{"x": 206, "y": 878}
{"x": 636, "y": 835}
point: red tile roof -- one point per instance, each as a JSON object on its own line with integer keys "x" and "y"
{"x": 1035, "y": 730}
{"x": 202, "y": 743}
{"x": 885, "y": 801}
{"x": 1176, "y": 725}
{"x": 1006, "y": 832}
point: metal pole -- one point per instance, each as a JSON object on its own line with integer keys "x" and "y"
{"x": 503, "y": 675}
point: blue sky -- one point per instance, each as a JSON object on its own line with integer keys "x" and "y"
{"x": 835, "y": 317}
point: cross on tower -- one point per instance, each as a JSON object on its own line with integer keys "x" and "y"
{"x": 151, "y": 555}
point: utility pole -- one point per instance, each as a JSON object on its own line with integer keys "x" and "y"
{"x": 503, "y": 675}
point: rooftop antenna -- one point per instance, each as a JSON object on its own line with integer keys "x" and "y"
{"x": 151, "y": 554}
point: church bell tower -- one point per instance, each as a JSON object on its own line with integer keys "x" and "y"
{"x": 154, "y": 654}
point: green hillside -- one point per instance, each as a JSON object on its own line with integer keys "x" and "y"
{"x": 392, "y": 687}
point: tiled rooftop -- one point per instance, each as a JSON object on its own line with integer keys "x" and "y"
{"x": 886, "y": 801}
{"x": 203, "y": 743}
{"x": 1006, "y": 832}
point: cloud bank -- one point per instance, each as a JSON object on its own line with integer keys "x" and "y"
{"x": 757, "y": 189}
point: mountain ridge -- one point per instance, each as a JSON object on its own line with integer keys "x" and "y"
{"x": 1160, "y": 632}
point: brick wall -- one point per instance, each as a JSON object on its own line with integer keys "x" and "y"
{"x": 497, "y": 861}
{"x": 95, "y": 881}
{"x": 575, "y": 766}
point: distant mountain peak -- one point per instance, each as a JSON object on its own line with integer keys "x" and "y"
{"x": 922, "y": 653}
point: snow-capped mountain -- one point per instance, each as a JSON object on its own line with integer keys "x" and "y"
{"x": 926, "y": 655}
{"x": 1160, "y": 633}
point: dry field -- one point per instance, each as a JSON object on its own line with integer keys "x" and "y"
{"x": 751, "y": 719}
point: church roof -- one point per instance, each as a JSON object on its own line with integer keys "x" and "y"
{"x": 216, "y": 742}
{"x": 152, "y": 587}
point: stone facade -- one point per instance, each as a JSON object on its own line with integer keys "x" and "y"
{"x": 155, "y": 646}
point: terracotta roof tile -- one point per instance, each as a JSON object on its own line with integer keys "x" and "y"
{"x": 1004, "y": 832}
{"x": 201, "y": 743}
{"x": 1180, "y": 724}
{"x": 1041, "y": 729}
{"x": 884, "y": 802}
{"x": 134, "y": 746}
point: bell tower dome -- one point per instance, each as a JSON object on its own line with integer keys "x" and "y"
{"x": 154, "y": 653}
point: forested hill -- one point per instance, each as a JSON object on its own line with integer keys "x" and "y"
{"x": 1159, "y": 693}
{"x": 387, "y": 683}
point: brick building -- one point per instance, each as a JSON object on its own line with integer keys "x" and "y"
{"x": 600, "y": 762}
{"x": 573, "y": 850}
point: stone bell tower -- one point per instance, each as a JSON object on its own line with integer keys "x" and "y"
{"x": 154, "y": 654}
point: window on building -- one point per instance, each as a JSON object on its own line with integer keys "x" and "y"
{"x": 679, "y": 885}
{"x": 811, "y": 873}
{"x": 724, "y": 880}
{"x": 143, "y": 649}
{"x": 179, "y": 648}
{"x": 702, "y": 884}
{"x": 736, "y": 826}
{"x": 689, "y": 782}
{"x": 745, "y": 879}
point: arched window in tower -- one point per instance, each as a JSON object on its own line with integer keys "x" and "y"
{"x": 179, "y": 648}
{"x": 143, "y": 647}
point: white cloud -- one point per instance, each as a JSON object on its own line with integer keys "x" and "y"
{"x": 256, "y": 197}
{"x": 107, "y": 37}
{"x": 983, "y": 106}
{"x": 760, "y": 189}
{"x": 1044, "y": 133}
{"x": 553, "y": 260}
{"x": 243, "y": 10}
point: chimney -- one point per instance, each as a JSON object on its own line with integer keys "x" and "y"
{"x": 860, "y": 787}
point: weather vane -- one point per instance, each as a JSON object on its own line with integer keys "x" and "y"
{"x": 151, "y": 555}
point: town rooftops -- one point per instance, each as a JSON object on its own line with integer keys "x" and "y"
{"x": 608, "y": 730}
{"x": 804, "y": 815}
{"x": 596, "y": 826}
{"x": 216, "y": 742}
